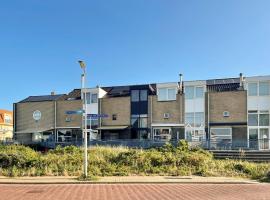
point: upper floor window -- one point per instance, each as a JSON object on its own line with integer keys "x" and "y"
{"x": 263, "y": 88}
{"x": 8, "y": 119}
{"x": 258, "y": 118}
{"x": 139, "y": 95}
{"x": 135, "y": 95}
{"x": 94, "y": 98}
{"x": 167, "y": 94}
{"x": 194, "y": 119}
{"x": 192, "y": 92}
{"x": 143, "y": 95}
{"x": 91, "y": 98}
{"x": 259, "y": 88}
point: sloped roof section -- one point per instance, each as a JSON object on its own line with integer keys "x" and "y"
{"x": 42, "y": 98}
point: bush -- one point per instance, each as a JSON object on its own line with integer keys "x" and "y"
{"x": 16, "y": 160}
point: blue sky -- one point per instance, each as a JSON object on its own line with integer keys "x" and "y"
{"x": 128, "y": 42}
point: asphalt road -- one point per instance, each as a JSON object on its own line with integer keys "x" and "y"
{"x": 135, "y": 191}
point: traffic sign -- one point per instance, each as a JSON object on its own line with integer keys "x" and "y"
{"x": 97, "y": 115}
{"x": 74, "y": 112}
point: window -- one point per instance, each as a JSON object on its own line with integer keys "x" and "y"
{"x": 87, "y": 97}
{"x": 135, "y": 95}
{"x": 221, "y": 134}
{"x": 143, "y": 95}
{"x": 199, "y": 92}
{"x": 162, "y": 94}
{"x": 94, "y": 98}
{"x": 252, "y": 89}
{"x": 114, "y": 117}
{"x": 8, "y": 119}
{"x": 199, "y": 119}
{"x": 189, "y": 119}
{"x": 252, "y": 119}
{"x": 172, "y": 94}
{"x": 263, "y": 88}
{"x": 94, "y": 122}
{"x": 258, "y": 118}
{"x": 135, "y": 121}
{"x": 264, "y": 119}
{"x": 189, "y": 92}
{"x": 143, "y": 122}
{"x": 167, "y": 94}
{"x": 139, "y": 121}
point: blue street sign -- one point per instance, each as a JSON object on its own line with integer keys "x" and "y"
{"x": 98, "y": 115}
{"x": 74, "y": 112}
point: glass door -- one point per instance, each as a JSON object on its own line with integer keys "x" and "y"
{"x": 253, "y": 138}
{"x": 264, "y": 138}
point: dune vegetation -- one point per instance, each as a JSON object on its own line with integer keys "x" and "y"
{"x": 16, "y": 160}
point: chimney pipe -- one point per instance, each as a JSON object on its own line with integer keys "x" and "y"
{"x": 241, "y": 79}
{"x": 181, "y": 82}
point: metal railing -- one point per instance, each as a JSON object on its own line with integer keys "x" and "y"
{"x": 261, "y": 144}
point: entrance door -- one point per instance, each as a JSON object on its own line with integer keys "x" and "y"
{"x": 264, "y": 138}
{"x": 253, "y": 138}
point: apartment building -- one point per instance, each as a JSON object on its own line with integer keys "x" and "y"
{"x": 228, "y": 113}
{"x": 6, "y": 125}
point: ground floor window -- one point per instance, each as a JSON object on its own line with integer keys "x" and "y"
{"x": 46, "y": 136}
{"x": 258, "y": 138}
{"x": 195, "y": 135}
{"x": 162, "y": 134}
{"x": 221, "y": 138}
{"x": 64, "y": 135}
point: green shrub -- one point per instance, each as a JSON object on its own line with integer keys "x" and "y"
{"x": 17, "y": 160}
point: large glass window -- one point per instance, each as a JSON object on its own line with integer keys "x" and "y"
{"x": 162, "y": 94}
{"x": 263, "y": 88}
{"x": 167, "y": 94}
{"x": 139, "y": 121}
{"x": 143, "y": 122}
{"x": 88, "y": 98}
{"x": 189, "y": 92}
{"x": 189, "y": 119}
{"x": 264, "y": 119}
{"x": 135, "y": 95}
{"x": 172, "y": 94}
{"x": 252, "y": 89}
{"x": 220, "y": 138}
{"x": 143, "y": 95}
{"x": 199, "y": 92}
{"x": 94, "y": 122}
{"x": 94, "y": 98}
{"x": 199, "y": 119}
{"x": 253, "y": 119}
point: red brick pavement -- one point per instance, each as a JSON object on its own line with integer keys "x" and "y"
{"x": 136, "y": 192}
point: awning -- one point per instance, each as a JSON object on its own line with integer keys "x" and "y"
{"x": 167, "y": 125}
{"x": 34, "y": 130}
{"x": 112, "y": 127}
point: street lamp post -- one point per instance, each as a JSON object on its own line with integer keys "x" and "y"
{"x": 84, "y": 120}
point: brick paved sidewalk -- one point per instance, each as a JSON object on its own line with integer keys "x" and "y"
{"x": 127, "y": 179}
{"x": 136, "y": 192}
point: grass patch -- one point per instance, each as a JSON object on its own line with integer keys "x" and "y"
{"x": 121, "y": 161}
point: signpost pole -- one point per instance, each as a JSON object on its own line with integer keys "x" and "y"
{"x": 84, "y": 124}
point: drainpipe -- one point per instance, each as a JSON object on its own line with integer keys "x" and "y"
{"x": 208, "y": 130}
{"x": 55, "y": 134}
{"x": 181, "y": 97}
{"x": 151, "y": 116}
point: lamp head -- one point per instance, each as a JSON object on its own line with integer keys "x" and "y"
{"x": 82, "y": 64}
